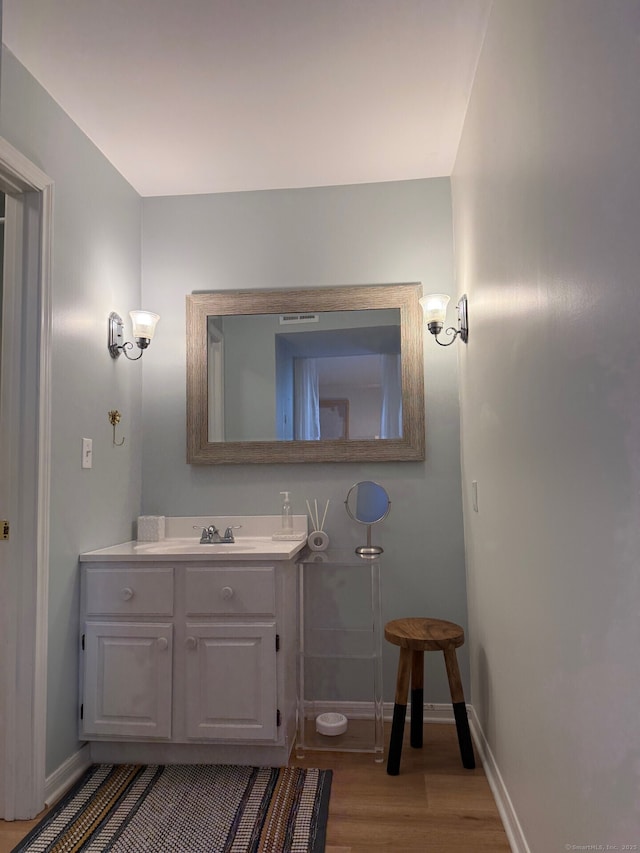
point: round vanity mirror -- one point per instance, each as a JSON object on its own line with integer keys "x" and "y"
{"x": 367, "y": 503}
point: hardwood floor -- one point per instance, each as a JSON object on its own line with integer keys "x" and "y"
{"x": 433, "y": 806}
{"x": 11, "y": 832}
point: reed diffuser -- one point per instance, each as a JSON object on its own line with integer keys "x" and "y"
{"x": 317, "y": 540}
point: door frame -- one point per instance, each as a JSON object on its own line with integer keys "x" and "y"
{"x": 26, "y": 431}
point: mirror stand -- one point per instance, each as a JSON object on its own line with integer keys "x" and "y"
{"x": 369, "y": 550}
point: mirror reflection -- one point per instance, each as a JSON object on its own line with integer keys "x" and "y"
{"x": 367, "y": 502}
{"x": 311, "y": 376}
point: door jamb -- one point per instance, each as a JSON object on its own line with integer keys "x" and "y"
{"x": 24, "y": 738}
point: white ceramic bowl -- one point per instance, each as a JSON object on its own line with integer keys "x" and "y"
{"x": 331, "y": 724}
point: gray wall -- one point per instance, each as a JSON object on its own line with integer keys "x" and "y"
{"x": 96, "y": 269}
{"x": 365, "y": 234}
{"x": 546, "y": 207}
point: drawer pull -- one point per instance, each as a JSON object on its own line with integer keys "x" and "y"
{"x": 126, "y": 594}
{"x": 163, "y": 644}
{"x": 227, "y": 592}
{"x": 191, "y": 642}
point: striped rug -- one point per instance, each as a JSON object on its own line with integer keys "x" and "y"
{"x": 203, "y": 808}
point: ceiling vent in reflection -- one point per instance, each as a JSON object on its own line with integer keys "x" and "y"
{"x": 288, "y": 319}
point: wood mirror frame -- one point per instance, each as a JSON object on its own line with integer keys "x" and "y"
{"x": 405, "y": 297}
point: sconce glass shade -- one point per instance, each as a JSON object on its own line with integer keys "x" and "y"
{"x": 434, "y": 307}
{"x": 144, "y": 324}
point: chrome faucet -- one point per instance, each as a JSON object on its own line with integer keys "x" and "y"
{"x": 211, "y": 535}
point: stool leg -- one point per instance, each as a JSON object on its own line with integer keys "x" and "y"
{"x": 399, "y": 712}
{"x": 459, "y": 709}
{"x": 417, "y": 697}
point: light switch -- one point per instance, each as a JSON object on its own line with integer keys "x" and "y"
{"x": 474, "y": 494}
{"x": 87, "y": 453}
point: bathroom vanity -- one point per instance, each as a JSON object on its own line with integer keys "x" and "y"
{"x": 188, "y": 650}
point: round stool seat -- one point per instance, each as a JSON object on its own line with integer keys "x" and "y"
{"x": 427, "y": 635}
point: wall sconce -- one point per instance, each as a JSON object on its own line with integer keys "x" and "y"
{"x": 144, "y": 325}
{"x": 435, "y": 309}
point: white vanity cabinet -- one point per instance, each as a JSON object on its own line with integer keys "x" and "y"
{"x": 188, "y": 660}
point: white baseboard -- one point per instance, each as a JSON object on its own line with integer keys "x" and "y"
{"x": 433, "y": 713}
{"x": 507, "y": 812}
{"x": 63, "y": 778}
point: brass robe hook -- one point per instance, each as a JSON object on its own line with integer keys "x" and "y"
{"x": 114, "y": 418}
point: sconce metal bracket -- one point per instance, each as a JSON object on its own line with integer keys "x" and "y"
{"x": 463, "y": 319}
{"x": 461, "y": 332}
{"x": 115, "y": 335}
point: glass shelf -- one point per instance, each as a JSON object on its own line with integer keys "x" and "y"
{"x": 340, "y": 651}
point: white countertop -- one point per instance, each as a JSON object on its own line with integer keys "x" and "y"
{"x": 256, "y": 544}
{"x": 170, "y": 550}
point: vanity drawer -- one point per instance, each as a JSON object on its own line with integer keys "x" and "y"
{"x": 212, "y": 591}
{"x": 133, "y": 592}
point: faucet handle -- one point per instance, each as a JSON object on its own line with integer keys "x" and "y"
{"x": 228, "y": 534}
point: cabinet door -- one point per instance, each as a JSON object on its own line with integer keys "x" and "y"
{"x": 231, "y": 681}
{"x": 127, "y": 679}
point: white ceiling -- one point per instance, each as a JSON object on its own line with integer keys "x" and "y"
{"x": 193, "y": 96}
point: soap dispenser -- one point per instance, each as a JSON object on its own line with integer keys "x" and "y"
{"x": 287, "y": 518}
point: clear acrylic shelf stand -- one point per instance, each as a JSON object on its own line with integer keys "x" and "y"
{"x": 340, "y": 651}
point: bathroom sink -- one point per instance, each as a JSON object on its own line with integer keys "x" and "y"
{"x": 193, "y": 546}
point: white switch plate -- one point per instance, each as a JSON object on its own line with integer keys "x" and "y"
{"x": 87, "y": 453}
{"x": 474, "y": 494}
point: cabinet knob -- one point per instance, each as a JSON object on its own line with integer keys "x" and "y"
{"x": 126, "y": 594}
{"x": 227, "y": 592}
{"x": 191, "y": 642}
{"x": 163, "y": 643}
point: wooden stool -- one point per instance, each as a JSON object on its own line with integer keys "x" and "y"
{"x": 416, "y": 636}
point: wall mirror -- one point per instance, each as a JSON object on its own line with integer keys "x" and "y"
{"x": 321, "y": 375}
